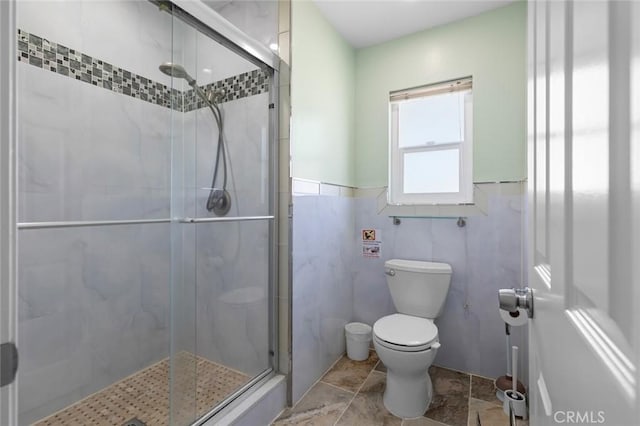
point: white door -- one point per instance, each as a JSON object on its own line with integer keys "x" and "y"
{"x": 8, "y": 394}
{"x": 584, "y": 211}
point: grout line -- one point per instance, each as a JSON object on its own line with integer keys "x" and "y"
{"x": 434, "y": 421}
{"x": 278, "y": 415}
{"x": 458, "y": 371}
{"x": 357, "y": 392}
{"x": 493, "y": 379}
{"x": 317, "y": 381}
{"x": 469, "y": 401}
{"x": 377, "y": 363}
{"x": 344, "y": 354}
{"x": 335, "y": 386}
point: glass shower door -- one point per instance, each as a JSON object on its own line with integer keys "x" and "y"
{"x": 222, "y": 209}
{"x": 142, "y": 294}
{"x": 93, "y": 185}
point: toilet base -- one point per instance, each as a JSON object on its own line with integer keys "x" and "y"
{"x": 407, "y": 396}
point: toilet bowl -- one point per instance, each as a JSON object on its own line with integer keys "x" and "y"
{"x": 407, "y": 346}
{"x": 407, "y": 342}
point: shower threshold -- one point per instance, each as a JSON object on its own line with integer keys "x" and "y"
{"x": 142, "y": 399}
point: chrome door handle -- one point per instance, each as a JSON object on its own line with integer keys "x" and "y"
{"x": 511, "y": 299}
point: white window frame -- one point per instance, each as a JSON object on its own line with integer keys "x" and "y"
{"x": 396, "y": 195}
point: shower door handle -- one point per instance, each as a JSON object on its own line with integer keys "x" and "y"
{"x": 8, "y": 363}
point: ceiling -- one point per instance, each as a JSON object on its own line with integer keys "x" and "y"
{"x": 368, "y": 22}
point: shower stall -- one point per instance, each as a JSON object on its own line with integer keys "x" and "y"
{"x": 146, "y": 224}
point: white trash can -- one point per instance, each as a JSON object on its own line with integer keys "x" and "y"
{"x": 358, "y": 338}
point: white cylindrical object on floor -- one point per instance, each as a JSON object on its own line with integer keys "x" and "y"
{"x": 518, "y": 404}
{"x": 514, "y": 367}
{"x": 508, "y": 357}
{"x": 358, "y": 337}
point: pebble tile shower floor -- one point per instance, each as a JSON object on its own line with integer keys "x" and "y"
{"x": 145, "y": 396}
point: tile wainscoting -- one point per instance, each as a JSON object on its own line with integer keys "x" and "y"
{"x": 329, "y": 271}
{"x": 322, "y": 285}
{"x": 486, "y": 255}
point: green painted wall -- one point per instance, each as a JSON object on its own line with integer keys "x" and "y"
{"x": 490, "y": 47}
{"x": 322, "y": 99}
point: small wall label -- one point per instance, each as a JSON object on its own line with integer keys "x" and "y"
{"x": 371, "y": 243}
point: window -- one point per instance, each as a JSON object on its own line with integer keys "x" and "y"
{"x": 431, "y": 144}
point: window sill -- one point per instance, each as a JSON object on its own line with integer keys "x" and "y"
{"x": 478, "y": 208}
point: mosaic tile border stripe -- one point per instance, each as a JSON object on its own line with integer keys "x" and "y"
{"x": 60, "y": 59}
{"x": 236, "y": 87}
{"x": 239, "y": 86}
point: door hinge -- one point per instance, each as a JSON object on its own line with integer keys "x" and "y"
{"x": 272, "y": 106}
{"x": 8, "y": 363}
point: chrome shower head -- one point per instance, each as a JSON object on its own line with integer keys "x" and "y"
{"x": 177, "y": 71}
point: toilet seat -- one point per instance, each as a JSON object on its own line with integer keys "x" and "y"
{"x": 405, "y": 333}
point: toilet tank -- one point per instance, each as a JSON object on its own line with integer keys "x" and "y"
{"x": 418, "y": 288}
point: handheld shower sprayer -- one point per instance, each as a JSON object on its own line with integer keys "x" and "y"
{"x": 177, "y": 71}
{"x": 219, "y": 201}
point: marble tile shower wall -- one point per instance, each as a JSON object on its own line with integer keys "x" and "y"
{"x": 89, "y": 154}
{"x": 485, "y": 256}
{"x": 93, "y": 302}
{"x": 133, "y": 35}
{"x": 232, "y": 278}
{"x": 246, "y": 130}
{"x": 57, "y": 58}
{"x": 93, "y": 308}
{"x": 323, "y": 252}
{"x": 232, "y": 275}
{"x": 122, "y": 273}
{"x": 257, "y": 18}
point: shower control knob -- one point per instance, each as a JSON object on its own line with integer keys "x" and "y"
{"x": 511, "y": 299}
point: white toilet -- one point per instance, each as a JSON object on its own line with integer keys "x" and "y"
{"x": 407, "y": 342}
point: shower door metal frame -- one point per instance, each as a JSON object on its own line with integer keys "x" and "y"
{"x": 8, "y": 286}
{"x": 228, "y": 34}
{"x": 230, "y": 37}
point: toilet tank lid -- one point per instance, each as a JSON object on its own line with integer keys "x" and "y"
{"x": 418, "y": 266}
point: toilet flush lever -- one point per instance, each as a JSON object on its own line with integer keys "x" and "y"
{"x": 513, "y": 298}
{"x": 390, "y": 272}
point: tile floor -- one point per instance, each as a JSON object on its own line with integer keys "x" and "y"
{"x": 350, "y": 393}
{"x": 145, "y": 395}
